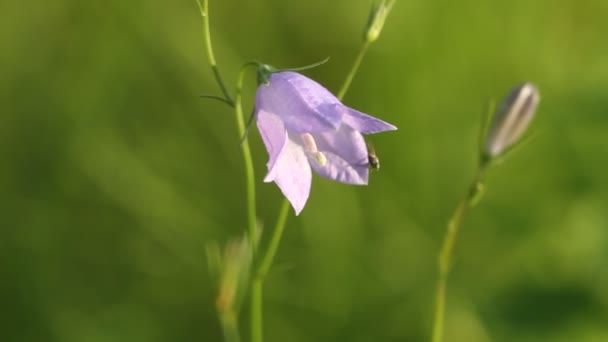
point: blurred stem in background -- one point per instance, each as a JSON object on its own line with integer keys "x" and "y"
{"x": 232, "y": 269}
{"x": 509, "y": 123}
{"x": 230, "y": 326}
{"x": 374, "y": 26}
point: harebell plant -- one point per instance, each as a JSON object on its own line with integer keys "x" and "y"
{"x": 304, "y": 128}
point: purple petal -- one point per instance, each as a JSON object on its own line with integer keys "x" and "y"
{"x": 366, "y": 124}
{"x": 303, "y": 104}
{"x": 345, "y": 142}
{"x": 346, "y": 155}
{"x": 273, "y": 134}
{"x": 291, "y": 172}
{"x": 340, "y": 170}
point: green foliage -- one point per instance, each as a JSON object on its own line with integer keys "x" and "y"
{"x": 115, "y": 174}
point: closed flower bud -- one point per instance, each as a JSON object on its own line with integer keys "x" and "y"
{"x": 376, "y": 20}
{"x": 511, "y": 119}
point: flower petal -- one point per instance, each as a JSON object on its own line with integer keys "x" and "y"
{"x": 303, "y": 104}
{"x": 345, "y": 142}
{"x": 366, "y": 124}
{"x": 273, "y": 134}
{"x": 291, "y": 172}
{"x": 338, "y": 169}
{"x": 346, "y": 154}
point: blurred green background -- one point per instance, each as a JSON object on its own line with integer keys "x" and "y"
{"x": 114, "y": 174}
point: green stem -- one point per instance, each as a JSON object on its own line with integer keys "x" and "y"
{"x": 257, "y": 286}
{"x": 447, "y": 248}
{"x": 256, "y": 309}
{"x": 445, "y": 256}
{"x": 273, "y": 246}
{"x": 248, "y": 161}
{"x": 353, "y": 70}
{"x": 204, "y": 10}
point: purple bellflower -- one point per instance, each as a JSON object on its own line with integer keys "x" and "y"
{"x": 305, "y": 126}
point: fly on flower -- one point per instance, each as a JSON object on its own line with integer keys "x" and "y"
{"x": 372, "y": 159}
{"x": 305, "y": 127}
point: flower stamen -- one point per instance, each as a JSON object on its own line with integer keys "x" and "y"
{"x": 310, "y": 146}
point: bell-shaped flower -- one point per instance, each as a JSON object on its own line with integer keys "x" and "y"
{"x": 305, "y": 126}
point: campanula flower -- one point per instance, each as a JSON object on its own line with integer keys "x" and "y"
{"x": 305, "y": 126}
{"x": 511, "y": 119}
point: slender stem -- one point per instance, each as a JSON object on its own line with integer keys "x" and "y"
{"x": 248, "y": 161}
{"x": 204, "y": 10}
{"x": 353, "y": 70}
{"x": 447, "y": 248}
{"x": 257, "y": 286}
{"x": 273, "y": 246}
{"x": 445, "y": 256}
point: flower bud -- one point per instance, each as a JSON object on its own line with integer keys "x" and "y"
{"x": 377, "y": 17}
{"x": 511, "y": 119}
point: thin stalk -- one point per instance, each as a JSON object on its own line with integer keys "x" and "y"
{"x": 257, "y": 286}
{"x": 353, "y": 70}
{"x": 273, "y": 246}
{"x": 248, "y": 161}
{"x": 257, "y": 289}
{"x": 447, "y": 248}
{"x": 204, "y": 10}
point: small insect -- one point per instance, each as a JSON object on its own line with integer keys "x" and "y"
{"x": 372, "y": 159}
